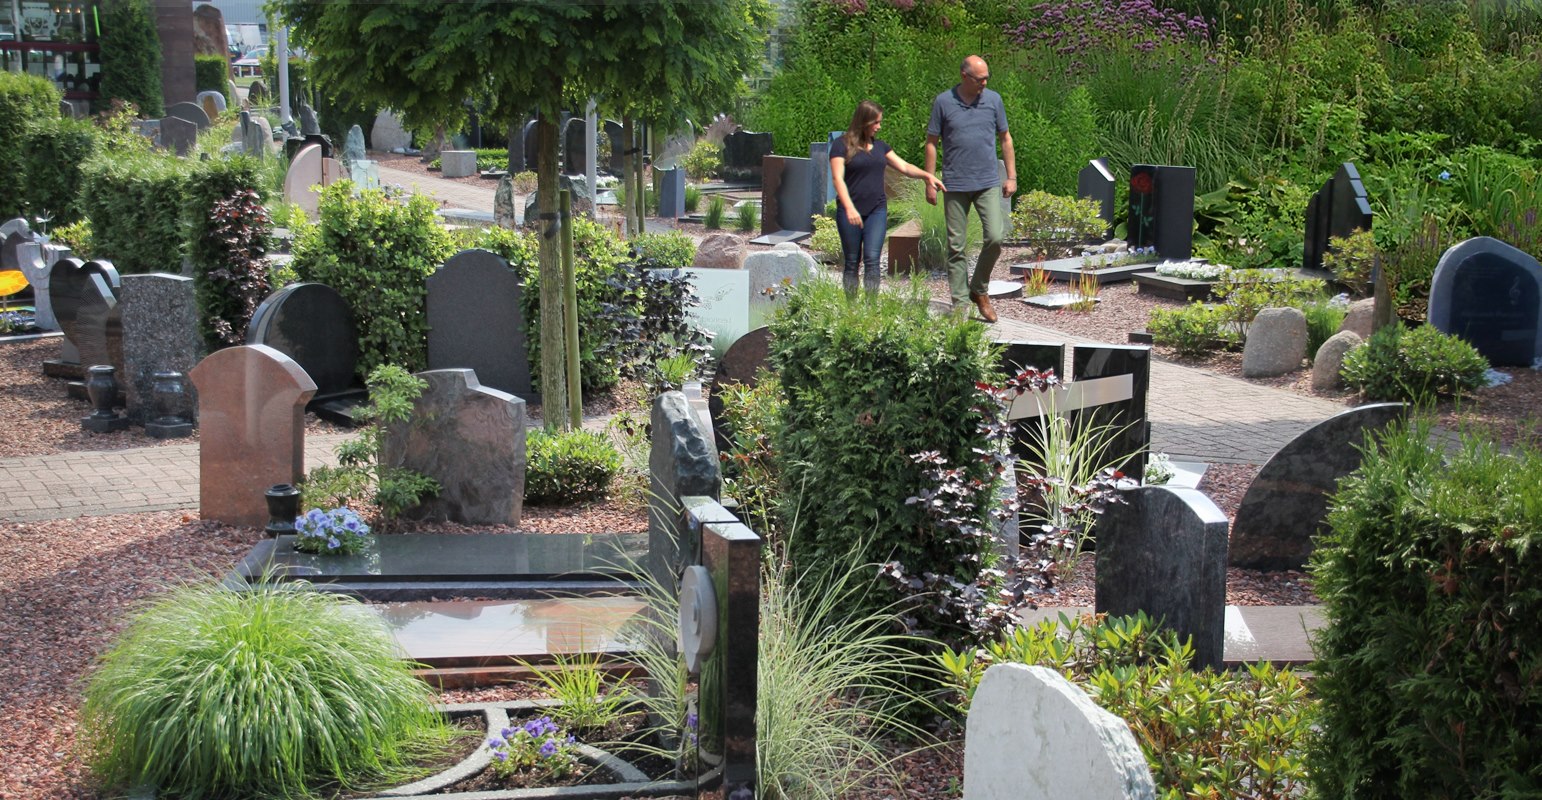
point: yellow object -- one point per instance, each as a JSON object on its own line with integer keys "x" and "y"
{"x": 11, "y": 282}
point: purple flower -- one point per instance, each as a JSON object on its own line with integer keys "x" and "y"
{"x": 501, "y": 755}
{"x": 549, "y": 749}
{"x": 495, "y": 743}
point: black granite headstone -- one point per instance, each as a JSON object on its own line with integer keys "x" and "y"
{"x": 1141, "y": 223}
{"x": 530, "y": 141}
{"x": 1163, "y": 551}
{"x": 85, "y": 302}
{"x": 1128, "y": 417}
{"x": 1490, "y": 294}
{"x": 1095, "y": 182}
{"x": 1338, "y": 209}
{"x": 312, "y": 324}
{"x": 475, "y": 321}
{"x": 671, "y": 192}
{"x": 612, "y": 130}
{"x": 786, "y": 195}
{"x": 192, "y": 112}
{"x": 1174, "y": 212}
{"x": 574, "y": 148}
{"x": 728, "y": 688}
{"x": 1017, "y": 356}
{"x": 1286, "y": 505}
{"x": 741, "y": 364}
{"x": 743, "y": 151}
{"x": 820, "y": 186}
{"x": 318, "y": 139}
{"x": 178, "y": 135}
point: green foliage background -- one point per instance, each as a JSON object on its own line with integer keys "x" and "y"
{"x": 212, "y": 74}
{"x": 131, "y": 55}
{"x": 52, "y": 152}
{"x": 23, "y": 100}
{"x": 135, "y": 202}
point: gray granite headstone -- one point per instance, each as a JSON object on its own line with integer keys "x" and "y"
{"x": 786, "y": 196}
{"x": 85, "y": 301}
{"x": 1285, "y": 507}
{"x": 671, "y": 192}
{"x": 309, "y": 126}
{"x": 211, "y": 98}
{"x": 14, "y": 233}
{"x": 1490, "y": 294}
{"x": 388, "y": 134}
{"x": 353, "y": 147}
{"x": 772, "y": 274}
{"x": 36, "y": 261}
{"x": 682, "y": 462}
{"x": 612, "y": 130}
{"x": 469, "y": 438}
{"x": 160, "y": 333}
{"x": 503, "y": 203}
{"x": 312, "y": 324}
{"x": 178, "y": 135}
{"x": 192, "y": 112}
{"x": 475, "y": 321}
{"x": 1163, "y": 551}
{"x": 1095, "y": 182}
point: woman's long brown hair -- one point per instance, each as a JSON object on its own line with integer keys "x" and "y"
{"x": 857, "y": 139}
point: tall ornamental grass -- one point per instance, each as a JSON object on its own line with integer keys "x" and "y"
{"x": 267, "y": 690}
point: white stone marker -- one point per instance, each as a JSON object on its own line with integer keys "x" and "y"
{"x": 1033, "y": 734}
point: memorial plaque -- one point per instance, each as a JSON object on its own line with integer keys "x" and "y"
{"x": 1141, "y": 222}
{"x": 725, "y": 304}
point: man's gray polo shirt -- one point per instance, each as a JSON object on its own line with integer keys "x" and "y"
{"x": 969, "y": 134}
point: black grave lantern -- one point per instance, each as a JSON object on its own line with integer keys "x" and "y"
{"x": 283, "y": 508}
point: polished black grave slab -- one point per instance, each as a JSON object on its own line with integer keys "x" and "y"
{"x": 413, "y": 566}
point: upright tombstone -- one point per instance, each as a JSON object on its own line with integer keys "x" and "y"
{"x": 265, "y": 137}
{"x": 612, "y": 131}
{"x": 13, "y": 234}
{"x": 1338, "y": 209}
{"x": 311, "y": 324}
{"x": 1033, "y": 735}
{"x": 353, "y": 147}
{"x": 1140, "y": 224}
{"x": 457, "y": 163}
{"x": 303, "y": 177}
{"x": 36, "y": 262}
{"x": 387, "y": 133}
{"x": 251, "y": 135}
{"x": 772, "y": 274}
{"x": 1286, "y": 507}
{"x": 160, "y": 334}
{"x": 1490, "y": 294}
{"x": 212, "y": 103}
{"x": 740, "y": 366}
{"x": 178, "y": 135}
{"x": 1095, "y": 182}
{"x": 309, "y": 125}
{"x": 1128, "y": 420}
{"x": 532, "y": 143}
{"x": 469, "y": 438}
{"x": 671, "y": 192}
{"x": 476, "y": 321}
{"x": 1163, "y": 551}
{"x": 192, "y": 112}
{"x": 251, "y": 408}
{"x": 681, "y": 462}
{"x": 1162, "y": 210}
{"x": 786, "y": 200}
{"x": 821, "y": 181}
{"x": 84, "y": 296}
{"x": 743, "y": 153}
{"x": 1017, "y": 356}
{"x": 504, "y": 215}
{"x": 574, "y": 146}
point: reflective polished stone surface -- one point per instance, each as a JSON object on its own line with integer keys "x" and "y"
{"x": 416, "y": 557}
{"x": 466, "y": 633}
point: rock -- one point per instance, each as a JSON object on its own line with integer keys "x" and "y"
{"x": 719, "y": 251}
{"x": 387, "y": 134}
{"x": 1330, "y": 359}
{"x": 1361, "y": 318}
{"x": 1276, "y": 343}
{"x": 503, "y": 203}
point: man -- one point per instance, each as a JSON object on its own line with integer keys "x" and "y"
{"x": 971, "y": 120}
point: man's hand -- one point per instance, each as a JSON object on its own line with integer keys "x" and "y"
{"x": 931, "y": 194}
{"x": 1009, "y": 188}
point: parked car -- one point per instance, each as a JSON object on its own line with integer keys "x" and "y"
{"x": 250, "y": 64}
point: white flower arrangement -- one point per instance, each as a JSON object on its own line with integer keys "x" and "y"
{"x": 1192, "y": 270}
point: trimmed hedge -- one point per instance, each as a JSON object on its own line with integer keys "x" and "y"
{"x": 212, "y": 74}
{"x": 52, "y": 153}
{"x": 135, "y": 202}
{"x": 24, "y": 99}
{"x": 1430, "y": 667}
{"x": 131, "y": 56}
{"x": 223, "y": 251}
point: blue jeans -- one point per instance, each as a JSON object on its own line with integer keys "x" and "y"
{"x": 864, "y": 243}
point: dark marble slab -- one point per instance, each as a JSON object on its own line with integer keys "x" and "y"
{"x": 1128, "y": 417}
{"x": 1338, "y": 209}
{"x": 1182, "y": 289}
{"x": 1069, "y": 270}
{"x": 408, "y": 557}
{"x": 1174, "y": 212}
{"x": 1490, "y": 294}
{"x": 1095, "y": 182}
{"x": 728, "y": 688}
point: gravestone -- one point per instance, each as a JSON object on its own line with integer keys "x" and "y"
{"x": 178, "y": 135}
{"x": 365, "y": 175}
{"x": 1490, "y": 294}
{"x": 1141, "y": 222}
{"x": 574, "y": 146}
{"x": 150, "y": 129}
{"x": 1338, "y": 209}
{"x": 821, "y": 180}
{"x": 671, "y": 192}
{"x": 740, "y": 365}
{"x": 475, "y": 321}
{"x": 681, "y": 463}
{"x": 1033, "y": 735}
{"x": 160, "y": 334}
{"x": 309, "y": 125}
{"x": 458, "y": 163}
{"x": 303, "y": 176}
{"x": 209, "y": 37}
{"x": 353, "y": 147}
{"x": 503, "y": 203}
{"x": 1175, "y": 213}
{"x": 311, "y": 324}
{"x": 36, "y": 262}
{"x": 1276, "y": 343}
{"x": 1163, "y": 551}
{"x": 1017, "y": 356}
{"x": 772, "y": 274}
{"x": 1096, "y": 183}
{"x": 1286, "y": 506}
{"x": 743, "y": 153}
{"x": 249, "y": 135}
{"x": 257, "y": 93}
{"x": 192, "y": 112}
{"x": 1360, "y": 318}
{"x": 469, "y": 438}
{"x": 84, "y": 296}
{"x": 786, "y": 200}
{"x": 251, "y": 410}
{"x": 612, "y": 130}
{"x": 723, "y": 310}
{"x": 212, "y": 103}
{"x": 13, "y": 234}
{"x": 532, "y": 143}
{"x": 719, "y": 251}
{"x": 1128, "y": 417}
{"x": 387, "y": 133}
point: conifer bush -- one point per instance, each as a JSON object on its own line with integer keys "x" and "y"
{"x": 24, "y": 99}
{"x": 135, "y": 202}
{"x": 131, "y": 55}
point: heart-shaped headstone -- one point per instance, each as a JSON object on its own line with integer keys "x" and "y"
{"x": 85, "y": 302}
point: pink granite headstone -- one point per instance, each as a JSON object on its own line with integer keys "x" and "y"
{"x": 251, "y": 407}
{"x": 303, "y": 176}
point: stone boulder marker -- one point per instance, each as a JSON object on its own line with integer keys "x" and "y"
{"x": 1329, "y": 360}
{"x": 682, "y": 463}
{"x": 1286, "y": 507}
{"x": 388, "y": 134}
{"x": 84, "y": 296}
{"x": 251, "y": 408}
{"x": 719, "y": 251}
{"x": 475, "y": 321}
{"x": 312, "y": 324}
{"x": 1163, "y": 551}
{"x": 1033, "y": 735}
{"x": 353, "y": 147}
{"x": 469, "y": 438}
{"x": 1361, "y": 318}
{"x": 160, "y": 334}
{"x": 1490, "y": 294}
{"x": 503, "y": 203}
{"x": 1276, "y": 343}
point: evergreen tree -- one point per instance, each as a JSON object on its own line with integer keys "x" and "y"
{"x": 131, "y": 55}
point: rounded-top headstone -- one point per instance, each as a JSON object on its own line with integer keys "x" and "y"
{"x": 312, "y": 324}
{"x": 1276, "y": 343}
{"x": 1490, "y": 294}
{"x": 192, "y": 112}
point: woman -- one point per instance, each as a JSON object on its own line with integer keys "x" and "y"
{"x": 857, "y": 162}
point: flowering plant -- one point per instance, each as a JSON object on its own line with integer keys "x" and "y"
{"x": 339, "y": 531}
{"x": 536, "y": 746}
{"x": 1192, "y": 270}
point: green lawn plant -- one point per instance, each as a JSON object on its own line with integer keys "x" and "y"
{"x": 1192, "y": 330}
{"x": 826, "y": 241}
{"x": 692, "y": 198}
{"x": 260, "y": 690}
{"x": 748, "y": 217}
{"x": 590, "y": 702}
{"x": 749, "y": 420}
{"x": 1245, "y": 292}
{"x": 24, "y": 99}
{"x": 568, "y": 467}
{"x": 716, "y": 207}
{"x": 1428, "y": 668}
{"x": 1419, "y": 365}
{"x": 362, "y": 474}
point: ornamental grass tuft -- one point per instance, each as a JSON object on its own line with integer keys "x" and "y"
{"x": 262, "y": 690}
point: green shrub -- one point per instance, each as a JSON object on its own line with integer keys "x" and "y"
{"x": 672, "y": 249}
{"x": 77, "y": 237}
{"x": 692, "y": 198}
{"x": 1351, "y": 259}
{"x": 870, "y": 383}
{"x": 749, "y": 421}
{"x": 716, "y": 206}
{"x": 212, "y": 74}
{"x": 1049, "y": 223}
{"x": 524, "y": 182}
{"x": 1323, "y": 319}
{"x": 1414, "y": 365}
{"x": 131, "y": 55}
{"x": 24, "y": 100}
{"x": 826, "y": 241}
{"x": 1429, "y": 669}
{"x": 568, "y": 467}
{"x": 271, "y": 689}
{"x": 1204, "y": 734}
{"x": 135, "y": 202}
{"x": 1192, "y": 331}
{"x": 230, "y": 273}
{"x": 749, "y": 217}
{"x": 361, "y": 470}
{"x": 52, "y": 152}
{"x": 377, "y": 253}
{"x": 1245, "y": 292}
{"x": 702, "y": 161}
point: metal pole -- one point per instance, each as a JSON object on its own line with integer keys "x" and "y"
{"x": 282, "y": 57}
{"x": 591, "y": 158}
{"x": 570, "y": 312}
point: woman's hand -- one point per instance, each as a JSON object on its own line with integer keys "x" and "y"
{"x": 853, "y": 217}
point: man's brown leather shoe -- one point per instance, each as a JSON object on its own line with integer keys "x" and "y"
{"x": 983, "y": 302}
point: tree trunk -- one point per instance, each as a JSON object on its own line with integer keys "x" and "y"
{"x": 554, "y": 388}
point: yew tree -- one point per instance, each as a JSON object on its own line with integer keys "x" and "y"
{"x": 426, "y": 58}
